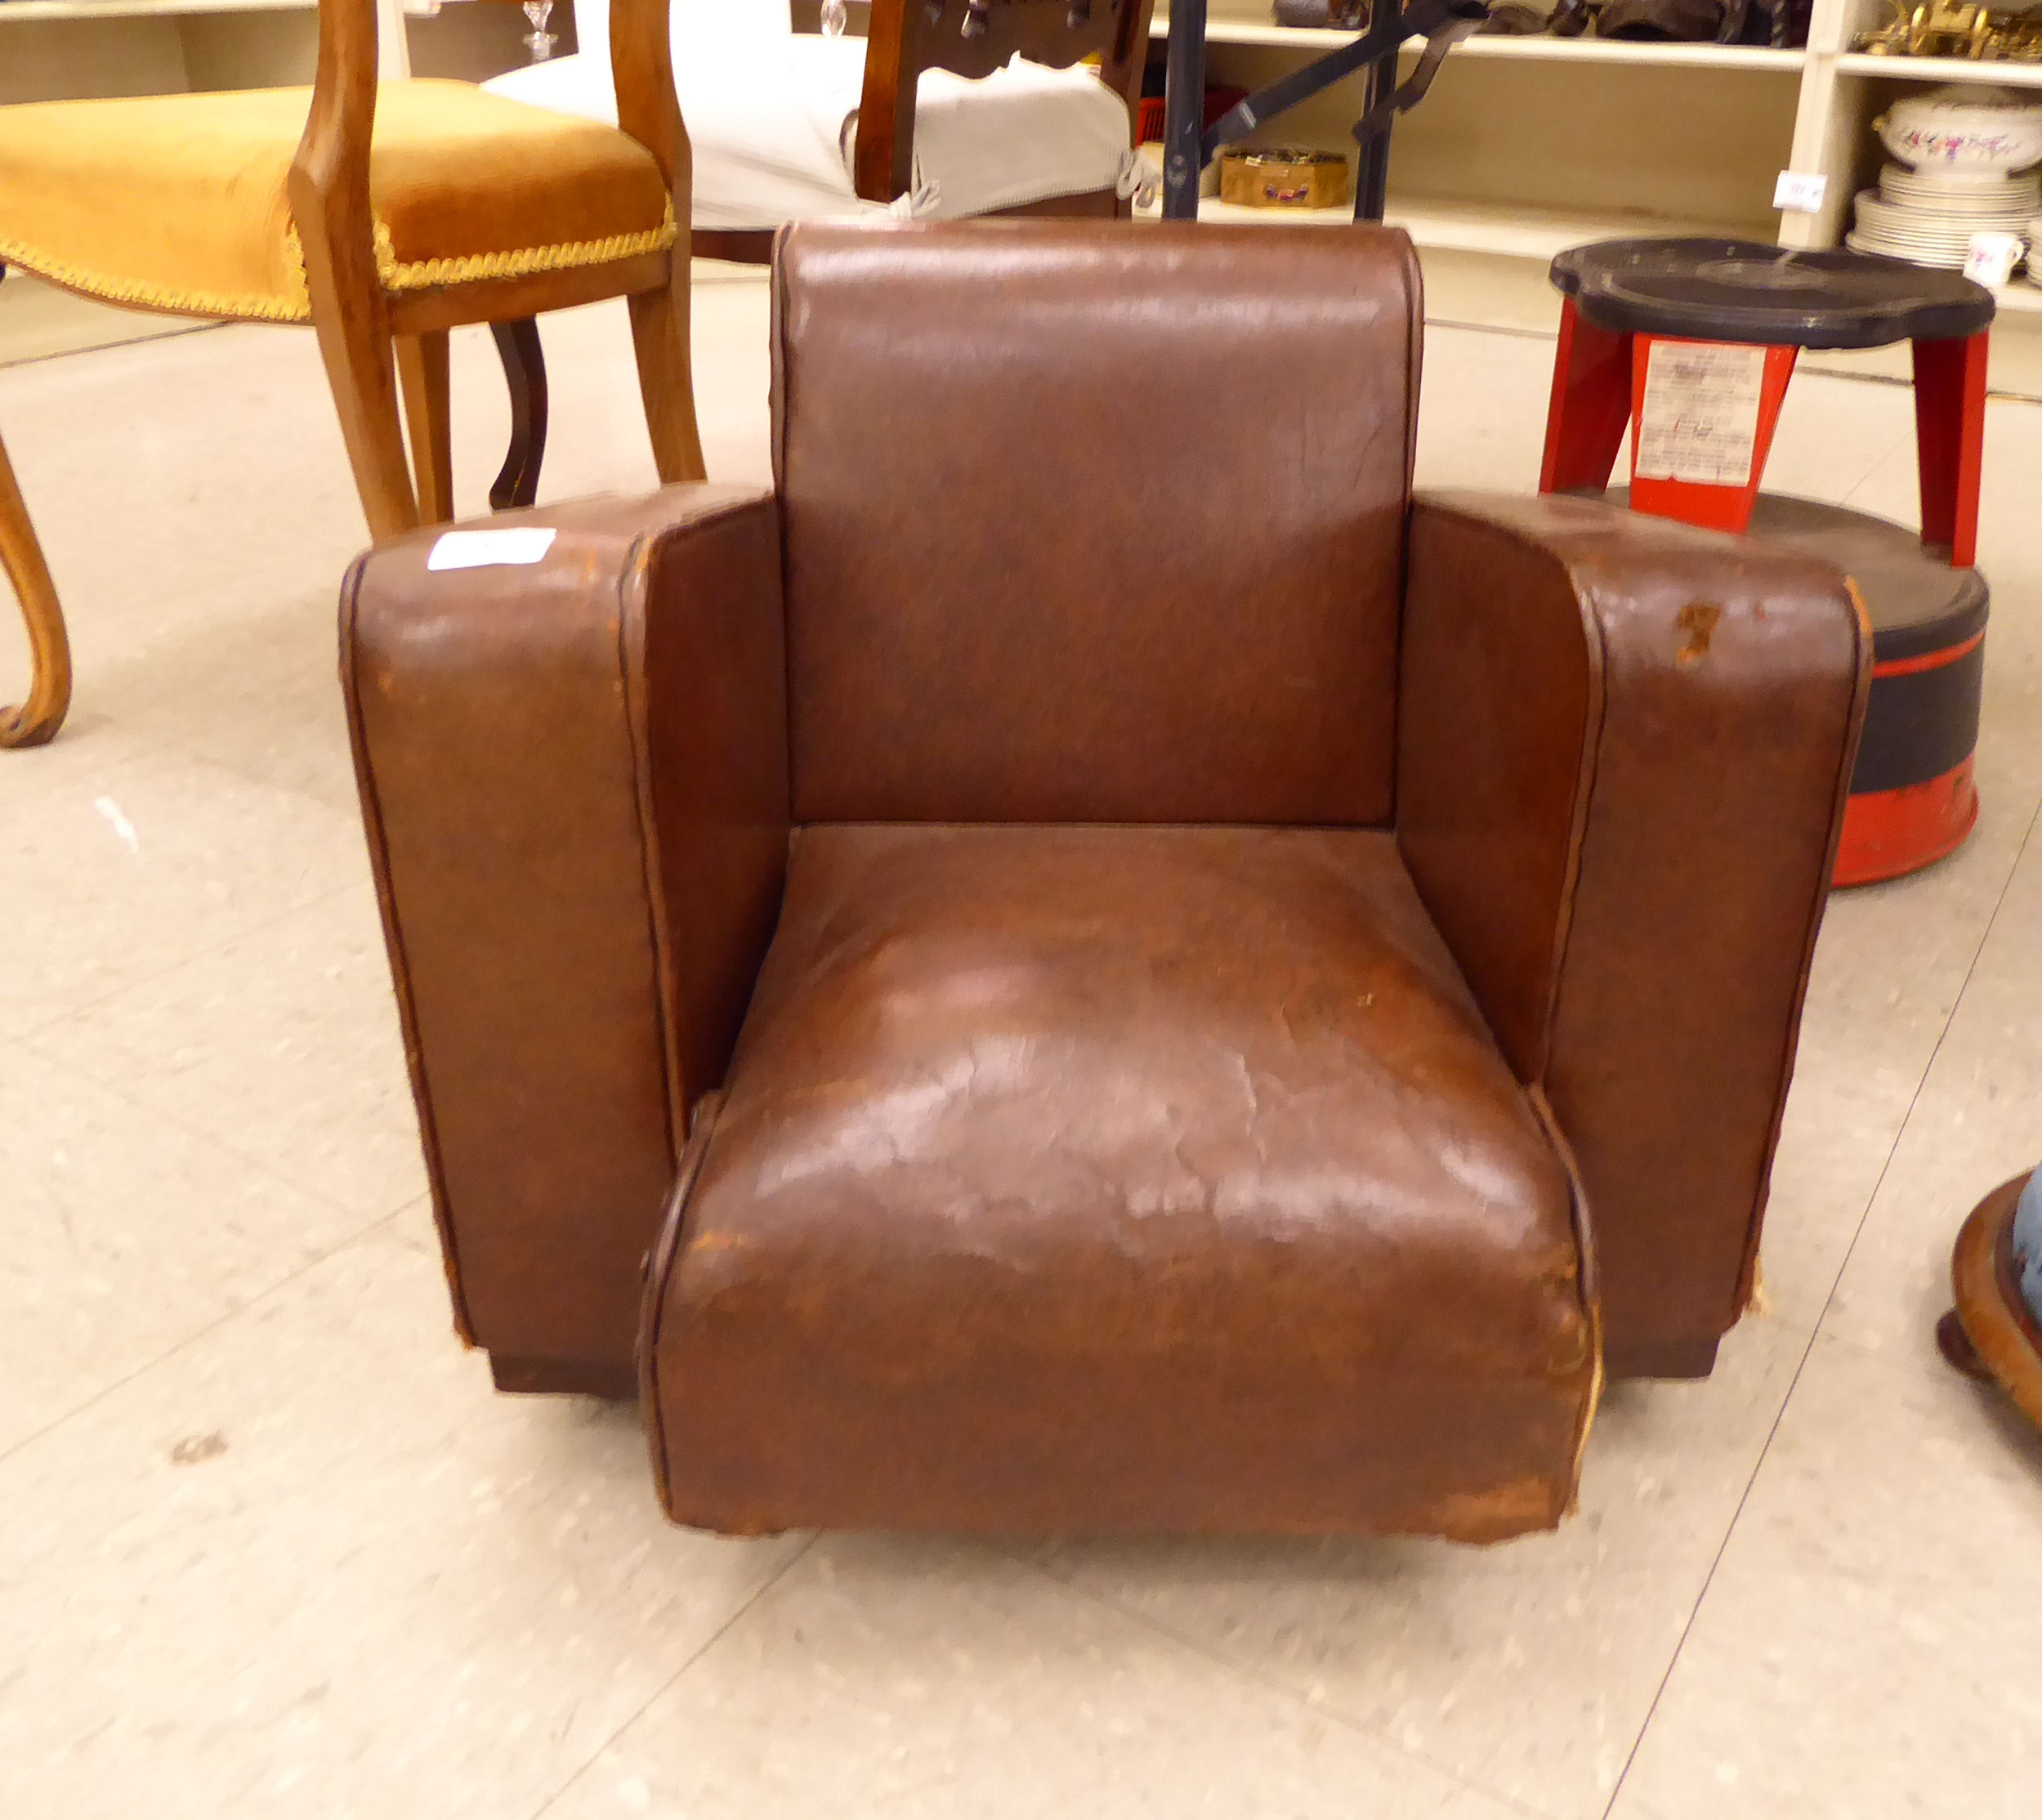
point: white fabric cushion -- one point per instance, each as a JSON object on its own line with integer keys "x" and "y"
{"x": 772, "y": 121}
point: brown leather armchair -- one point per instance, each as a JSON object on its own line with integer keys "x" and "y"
{"x": 1087, "y": 963}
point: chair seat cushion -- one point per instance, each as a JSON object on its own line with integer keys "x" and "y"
{"x": 178, "y": 201}
{"x": 773, "y": 126}
{"x": 1118, "y": 1180}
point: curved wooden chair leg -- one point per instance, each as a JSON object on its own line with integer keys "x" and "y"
{"x": 659, "y": 332}
{"x": 517, "y": 346}
{"x": 422, "y": 368}
{"x": 37, "y": 718}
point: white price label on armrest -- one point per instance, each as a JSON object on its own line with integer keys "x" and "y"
{"x": 519, "y": 544}
{"x": 1801, "y": 192}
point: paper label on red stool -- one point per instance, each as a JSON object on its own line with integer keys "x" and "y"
{"x": 1700, "y": 421}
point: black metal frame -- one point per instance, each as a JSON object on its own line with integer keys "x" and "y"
{"x": 1188, "y": 145}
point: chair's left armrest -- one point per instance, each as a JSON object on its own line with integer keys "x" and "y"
{"x": 573, "y": 774}
{"x": 1623, "y": 751}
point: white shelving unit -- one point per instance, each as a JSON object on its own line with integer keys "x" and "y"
{"x": 1592, "y": 50}
{"x": 1456, "y": 227}
{"x": 1941, "y": 69}
{"x": 52, "y": 49}
{"x": 20, "y": 12}
{"x": 1528, "y": 144}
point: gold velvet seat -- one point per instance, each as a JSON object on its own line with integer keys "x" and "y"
{"x": 384, "y": 219}
{"x": 181, "y": 203}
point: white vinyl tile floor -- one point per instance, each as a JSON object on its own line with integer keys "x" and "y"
{"x": 269, "y": 1544}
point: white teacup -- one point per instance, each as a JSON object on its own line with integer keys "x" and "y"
{"x": 1991, "y": 258}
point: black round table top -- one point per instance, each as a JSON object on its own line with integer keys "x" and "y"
{"x": 1745, "y": 290}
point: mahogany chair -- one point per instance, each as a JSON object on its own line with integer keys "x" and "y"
{"x": 904, "y": 40}
{"x": 384, "y": 216}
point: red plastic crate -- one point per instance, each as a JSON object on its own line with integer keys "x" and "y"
{"x": 1219, "y": 97}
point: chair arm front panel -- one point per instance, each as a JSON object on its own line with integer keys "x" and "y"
{"x": 513, "y": 767}
{"x": 1624, "y": 746}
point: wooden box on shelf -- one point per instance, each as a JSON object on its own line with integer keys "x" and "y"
{"x": 1256, "y": 177}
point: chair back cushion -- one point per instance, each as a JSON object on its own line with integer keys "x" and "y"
{"x": 1090, "y": 521}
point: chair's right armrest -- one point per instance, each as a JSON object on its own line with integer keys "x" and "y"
{"x": 574, "y": 775}
{"x": 1624, "y": 750}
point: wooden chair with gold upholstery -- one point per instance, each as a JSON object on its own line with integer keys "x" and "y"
{"x": 382, "y": 214}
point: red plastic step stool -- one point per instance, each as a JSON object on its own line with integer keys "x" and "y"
{"x": 1689, "y": 344}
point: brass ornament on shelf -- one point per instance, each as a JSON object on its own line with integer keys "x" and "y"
{"x": 1943, "y": 28}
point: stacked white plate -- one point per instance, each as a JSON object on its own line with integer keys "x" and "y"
{"x": 1929, "y": 217}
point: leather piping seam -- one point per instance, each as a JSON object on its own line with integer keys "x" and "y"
{"x": 782, "y": 414}
{"x": 1594, "y": 725}
{"x": 1589, "y": 1293}
{"x": 1415, "y": 343}
{"x": 1862, "y": 626}
{"x": 633, "y": 635}
{"x": 652, "y": 1301}
{"x": 393, "y": 935}
{"x": 782, "y": 364}
{"x": 1415, "y": 360}
{"x": 1595, "y": 653}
